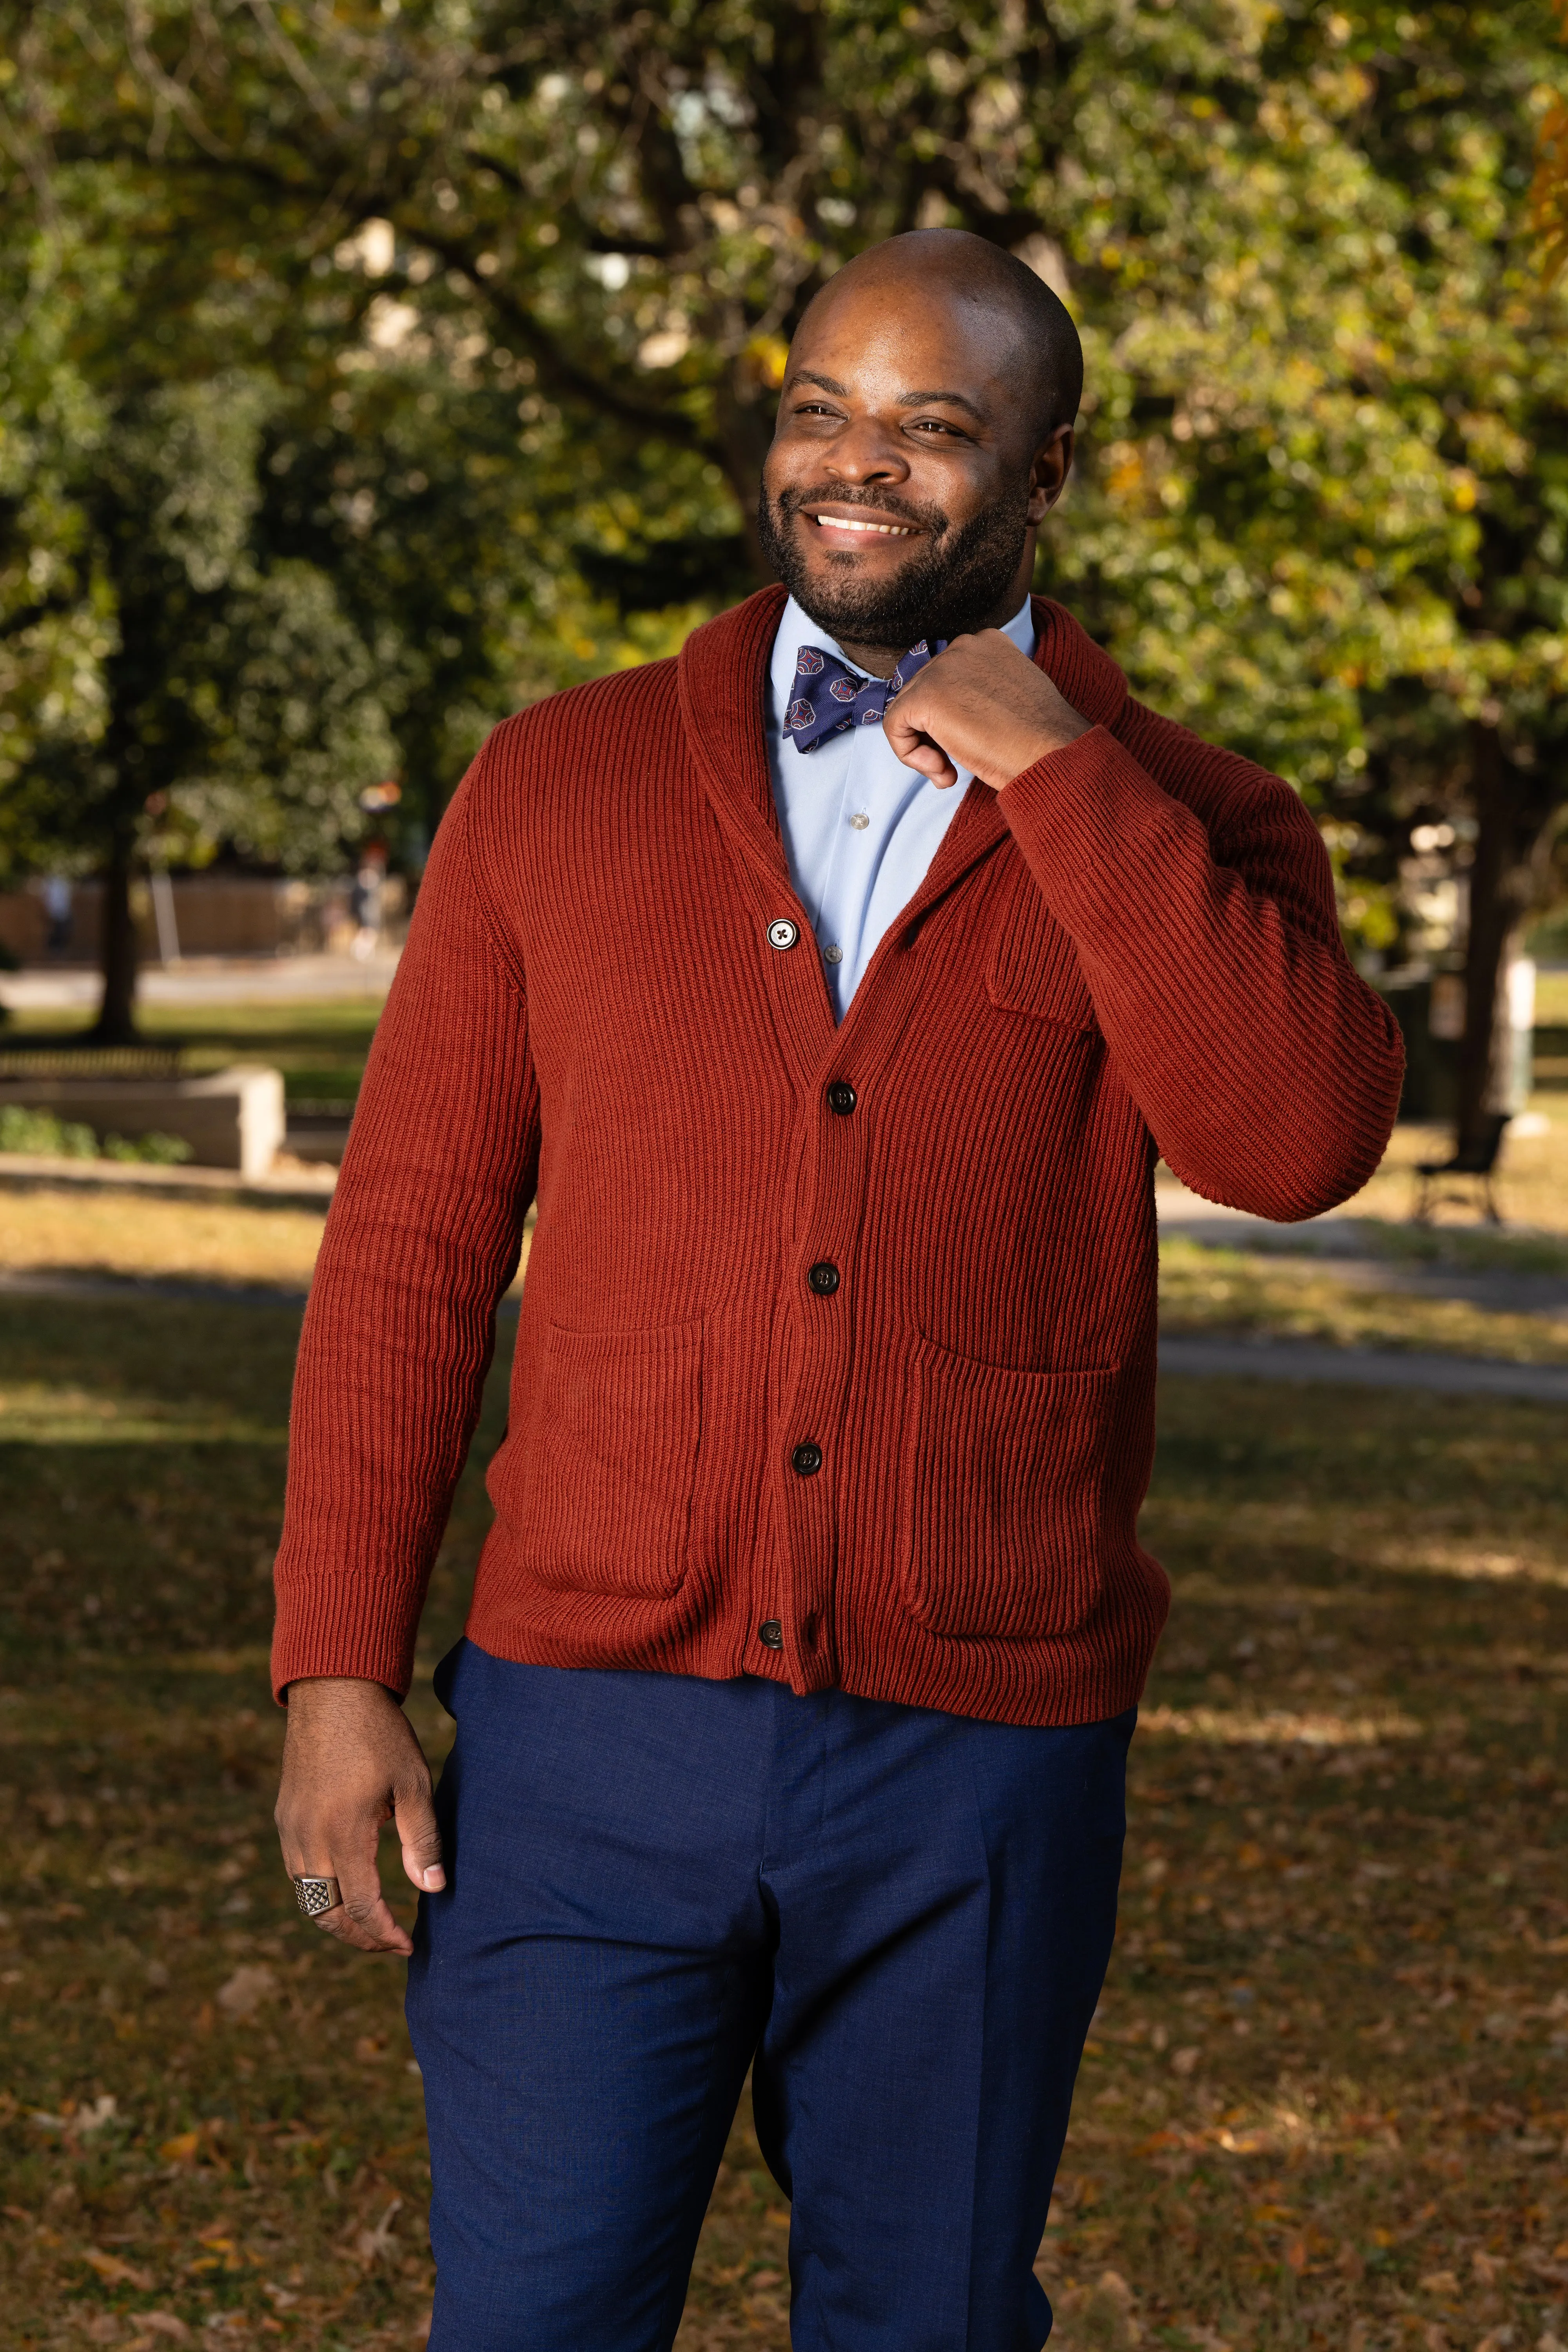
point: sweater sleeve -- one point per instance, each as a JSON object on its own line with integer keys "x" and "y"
{"x": 1267, "y": 1069}
{"x": 422, "y": 1239}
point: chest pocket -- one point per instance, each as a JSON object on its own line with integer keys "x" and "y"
{"x": 1032, "y": 965}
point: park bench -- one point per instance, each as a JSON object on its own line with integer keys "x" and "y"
{"x": 62, "y": 1058}
{"x": 1474, "y": 1167}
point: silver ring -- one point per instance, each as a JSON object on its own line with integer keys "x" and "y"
{"x": 317, "y": 1894}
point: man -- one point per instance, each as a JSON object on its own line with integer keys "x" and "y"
{"x": 831, "y": 991}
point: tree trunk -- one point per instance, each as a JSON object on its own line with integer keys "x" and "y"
{"x": 744, "y": 429}
{"x": 116, "y": 1023}
{"x": 1514, "y": 807}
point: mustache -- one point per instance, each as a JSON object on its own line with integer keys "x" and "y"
{"x": 927, "y": 518}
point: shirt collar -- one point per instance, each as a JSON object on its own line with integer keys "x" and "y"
{"x": 797, "y": 629}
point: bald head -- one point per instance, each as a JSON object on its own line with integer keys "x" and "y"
{"x": 1044, "y": 358}
{"x": 924, "y": 431}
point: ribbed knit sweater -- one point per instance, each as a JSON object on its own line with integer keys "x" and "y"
{"x": 920, "y": 1467}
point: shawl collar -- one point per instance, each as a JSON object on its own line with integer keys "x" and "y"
{"x": 722, "y": 674}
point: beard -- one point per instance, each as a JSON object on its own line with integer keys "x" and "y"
{"x": 951, "y": 584}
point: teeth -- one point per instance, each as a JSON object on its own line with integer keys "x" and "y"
{"x": 881, "y": 530}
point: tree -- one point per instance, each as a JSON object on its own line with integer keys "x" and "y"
{"x": 1549, "y": 191}
{"x": 1330, "y": 524}
{"x": 207, "y": 672}
{"x": 1320, "y": 509}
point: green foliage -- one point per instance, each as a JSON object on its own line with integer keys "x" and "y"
{"x": 521, "y": 280}
{"x": 40, "y": 1132}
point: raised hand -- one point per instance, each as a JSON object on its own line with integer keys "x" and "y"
{"x": 984, "y": 706}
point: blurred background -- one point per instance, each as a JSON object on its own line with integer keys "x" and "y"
{"x": 369, "y": 369}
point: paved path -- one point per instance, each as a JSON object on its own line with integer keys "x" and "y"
{"x": 1269, "y": 1360}
{"x": 297, "y": 1187}
{"x": 1369, "y": 1368}
{"x": 209, "y": 980}
{"x": 1346, "y": 1248}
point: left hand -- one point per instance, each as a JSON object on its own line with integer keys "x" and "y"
{"x": 984, "y": 706}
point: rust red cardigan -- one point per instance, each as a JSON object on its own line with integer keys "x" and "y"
{"x": 928, "y": 1477}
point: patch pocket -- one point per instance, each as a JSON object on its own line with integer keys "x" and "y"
{"x": 1033, "y": 965}
{"x": 615, "y": 1459}
{"x": 1002, "y": 1497}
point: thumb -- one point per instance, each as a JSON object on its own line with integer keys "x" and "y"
{"x": 415, "y": 1812}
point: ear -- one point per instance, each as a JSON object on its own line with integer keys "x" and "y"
{"x": 1048, "y": 473}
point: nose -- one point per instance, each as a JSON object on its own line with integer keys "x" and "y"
{"x": 867, "y": 451}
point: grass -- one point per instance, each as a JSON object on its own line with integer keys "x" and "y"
{"x": 1255, "y": 1293}
{"x": 53, "y": 1229}
{"x": 1326, "y": 2096}
{"x": 1327, "y": 2091}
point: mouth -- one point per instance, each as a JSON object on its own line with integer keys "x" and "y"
{"x": 857, "y": 530}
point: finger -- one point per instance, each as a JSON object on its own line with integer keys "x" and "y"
{"x": 929, "y": 759}
{"x": 364, "y": 1918}
{"x": 360, "y": 1916}
{"x": 415, "y": 1811}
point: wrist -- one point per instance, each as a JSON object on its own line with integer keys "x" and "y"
{"x": 1042, "y": 743}
{"x": 319, "y": 1694}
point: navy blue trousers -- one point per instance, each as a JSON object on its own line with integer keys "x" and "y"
{"x": 901, "y": 1919}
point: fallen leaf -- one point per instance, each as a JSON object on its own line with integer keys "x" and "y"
{"x": 1440, "y": 2283}
{"x": 164, "y": 2322}
{"x": 113, "y": 2272}
{"x": 182, "y": 2148}
{"x": 371, "y": 2244}
{"x": 246, "y": 1990}
{"x": 1185, "y": 2060}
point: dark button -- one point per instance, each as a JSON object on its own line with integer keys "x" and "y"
{"x": 770, "y": 1634}
{"x": 783, "y": 933}
{"x": 824, "y": 1278}
{"x": 806, "y": 1460}
{"x": 841, "y": 1098}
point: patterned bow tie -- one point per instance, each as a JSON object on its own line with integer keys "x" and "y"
{"x": 829, "y": 696}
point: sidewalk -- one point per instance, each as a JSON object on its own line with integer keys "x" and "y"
{"x": 297, "y": 1187}
{"x": 208, "y": 979}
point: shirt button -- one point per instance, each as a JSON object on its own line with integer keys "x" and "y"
{"x": 770, "y": 1634}
{"x": 806, "y": 1460}
{"x": 833, "y": 955}
{"x": 783, "y": 933}
{"x": 841, "y": 1098}
{"x": 824, "y": 1278}
{"x": 860, "y": 820}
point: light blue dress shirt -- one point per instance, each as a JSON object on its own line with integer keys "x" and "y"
{"x": 860, "y": 829}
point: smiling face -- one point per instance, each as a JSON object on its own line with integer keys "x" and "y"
{"x": 907, "y": 474}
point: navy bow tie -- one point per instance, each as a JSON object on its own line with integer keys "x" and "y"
{"x": 829, "y": 696}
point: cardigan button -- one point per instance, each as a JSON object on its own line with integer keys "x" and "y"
{"x": 824, "y": 1278}
{"x": 770, "y": 1634}
{"x": 783, "y": 933}
{"x": 806, "y": 1460}
{"x": 841, "y": 1098}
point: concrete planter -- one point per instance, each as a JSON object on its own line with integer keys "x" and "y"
{"x": 234, "y": 1118}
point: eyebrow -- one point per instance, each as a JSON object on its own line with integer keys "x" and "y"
{"x": 905, "y": 399}
{"x": 950, "y": 399}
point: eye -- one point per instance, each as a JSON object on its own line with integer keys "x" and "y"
{"x": 937, "y": 425}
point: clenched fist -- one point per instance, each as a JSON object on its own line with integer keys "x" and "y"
{"x": 984, "y": 706}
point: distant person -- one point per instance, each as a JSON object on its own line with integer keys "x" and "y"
{"x": 367, "y": 896}
{"x": 832, "y": 988}
{"x": 57, "y": 897}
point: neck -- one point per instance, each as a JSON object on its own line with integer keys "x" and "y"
{"x": 881, "y": 661}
